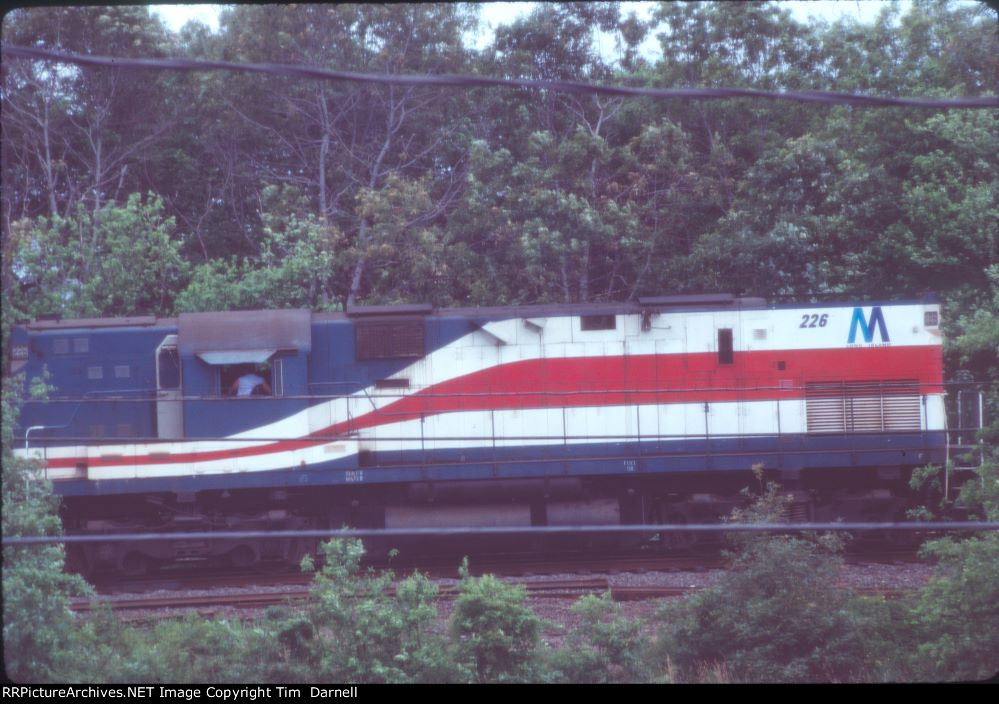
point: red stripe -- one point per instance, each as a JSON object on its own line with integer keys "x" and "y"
{"x": 613, "y": 381}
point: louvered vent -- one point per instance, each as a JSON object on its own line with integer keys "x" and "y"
{"x": 388, "y": 339}
{"x": 862, "y": 407}
{"x": 902, "y": 412}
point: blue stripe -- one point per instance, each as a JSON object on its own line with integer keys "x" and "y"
{"x": 649, "y": 459}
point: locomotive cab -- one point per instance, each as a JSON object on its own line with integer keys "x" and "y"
{"x": 216, "y": 349}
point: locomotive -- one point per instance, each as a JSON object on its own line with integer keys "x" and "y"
{"x": 655, "y": 411}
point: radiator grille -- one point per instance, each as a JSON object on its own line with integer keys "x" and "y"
{"x": 862, "y": 406}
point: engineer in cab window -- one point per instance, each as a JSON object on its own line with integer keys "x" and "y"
{"x": 252, "y": 383}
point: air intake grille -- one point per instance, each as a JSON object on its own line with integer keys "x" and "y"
{"x": 862, "y": 407}
{"x": 388, "y": 339}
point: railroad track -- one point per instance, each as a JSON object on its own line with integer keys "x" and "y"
{"x": 559, "y": 589}
{"x": 545, "y": 589}
{"x": 504, "y": 567}
{"x": 511, "y": 566}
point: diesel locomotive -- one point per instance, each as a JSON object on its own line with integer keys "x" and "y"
{"x": 658, "y": 410}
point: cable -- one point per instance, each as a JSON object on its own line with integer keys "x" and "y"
{"x": 507, "y": 530}
{"x": 459, "y": 81}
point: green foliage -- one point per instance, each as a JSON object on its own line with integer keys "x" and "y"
{"x": 190, "y": 649}
{"x": 954, "y": 619}
{"x": 974, "y": 346}
{"x": 78, "y": 138}
{"x": 605, "y": 647}
{"x": 295, "y": 268}
{"x": 494, "y": 633}
{"x": 947, "y": 236}
{"x": 407, "y": 251}
{"x": 359, "y": 632}
{"x": 298, "y": 194}
{"x": 776, "y": 615}
{"x": 121, "y": 261}
{"x": 952, "y": 624}
{"x": 37, "y": 621}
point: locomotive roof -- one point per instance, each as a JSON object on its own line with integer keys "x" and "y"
{"x": 685, "y": 303}
{"x": 131, "y": 321}
{"x": 681, "y": 303}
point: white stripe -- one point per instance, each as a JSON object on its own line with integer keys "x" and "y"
{"x": 547, "y": 427}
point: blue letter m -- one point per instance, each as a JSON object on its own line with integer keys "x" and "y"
{"x": 867, "y": 327}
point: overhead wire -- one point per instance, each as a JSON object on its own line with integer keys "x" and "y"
{"x": 466, "y": 81}
{"x": 914, "y": 526}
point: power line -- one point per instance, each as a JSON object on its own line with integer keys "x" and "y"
{"x": 462, "y": 81}
{"x": 949, "y": 526}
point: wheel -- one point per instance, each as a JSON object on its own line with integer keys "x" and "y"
{"x": 242, "y": 556}
{"x": 133, "y": 564}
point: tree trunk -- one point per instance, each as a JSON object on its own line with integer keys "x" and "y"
{"x": 355, "y": 279}
{"x": 566, "y": 291}
{"x": 324, "y": 150}
{"x": 49, "y": 177}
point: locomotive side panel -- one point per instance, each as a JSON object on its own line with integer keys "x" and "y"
{"x": 101, "y": 382}
{"x": 458, "y": 397}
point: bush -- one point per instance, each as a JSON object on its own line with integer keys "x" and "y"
{"x": 953, "y": 622}
{"x": 37, "y": 622}
{"x": 605, "y": 646}
{"x": 495, "y": 635}
{"x": 774, "y": 616}
{"x": 359, "y": 632}
{"x": 955, "y": 617}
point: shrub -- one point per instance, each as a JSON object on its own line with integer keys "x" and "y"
{"x": 604, "y": 647}
{"x": 360, "y": 632}
{"x": 37, "y": 621}
{"x": 775, "y": 616}
{"x": 953, "y": 624}
{"x": 495, "y": 635}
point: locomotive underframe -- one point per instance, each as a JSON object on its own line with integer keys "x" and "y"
{"x": 822, "y": 495}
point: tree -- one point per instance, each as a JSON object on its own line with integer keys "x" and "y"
{"x": 339, "y": 141}
{"x": 361, "y": 633}
{"x": 126, "y": 263}
{"x": 87, "y": 130}
{"x": 954, "y": 621}
{"x": 751, "y": 45}
{"x": 777, "y": 237}
{"x": 297, "y": 267}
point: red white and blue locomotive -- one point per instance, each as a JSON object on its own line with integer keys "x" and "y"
{"x": 406, "y": 416}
